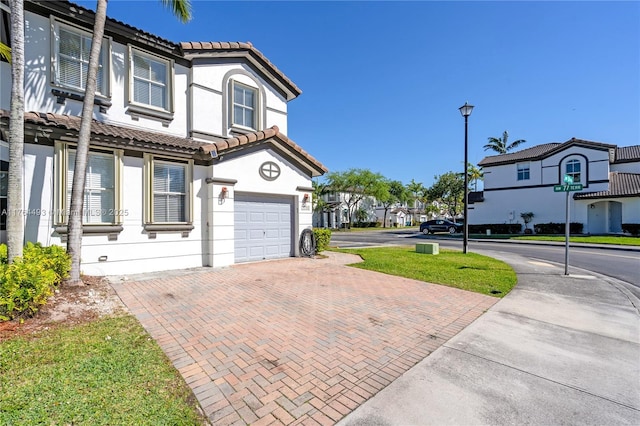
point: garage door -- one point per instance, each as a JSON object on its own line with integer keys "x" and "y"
{"x": 262, "y": 227}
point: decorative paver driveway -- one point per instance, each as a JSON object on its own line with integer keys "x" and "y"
{"x": 294, "y": 341}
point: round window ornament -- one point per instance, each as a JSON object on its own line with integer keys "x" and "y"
{"x": 269, "y": 170}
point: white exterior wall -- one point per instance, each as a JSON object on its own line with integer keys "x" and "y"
{"x": 244, "y": 169}
{"x": 38, "y": 83}
{"x": 626, "y": 167}
{"x": 505, "y": 197}
{"x": 209, "y": 89}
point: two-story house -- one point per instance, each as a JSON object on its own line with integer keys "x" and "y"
{"x": 524, "y": 181}
{"x": 189, "y": 162}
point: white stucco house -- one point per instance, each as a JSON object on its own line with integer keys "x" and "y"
{"x": 190, "y": 163}
{"x": 524, "y": 181}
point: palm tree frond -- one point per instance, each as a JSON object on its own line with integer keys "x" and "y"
{"x": 5, "y": 52}
{"x": 180, "y": 8}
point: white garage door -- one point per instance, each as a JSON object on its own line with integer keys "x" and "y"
{"x": 262, "y": 227}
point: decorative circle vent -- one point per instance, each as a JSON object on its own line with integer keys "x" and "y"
{"x": 269, "y": 170}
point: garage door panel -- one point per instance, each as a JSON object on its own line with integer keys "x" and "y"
{"x": 263, "y": 227}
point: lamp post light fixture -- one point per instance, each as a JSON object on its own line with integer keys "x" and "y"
{"x": 465, "y": 110}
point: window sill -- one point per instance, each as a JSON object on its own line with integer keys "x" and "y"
{"x": 62, "y": 96}
{"x": 237, "y": 129}
{"x": 111, "y": 231}
{"x": 153, "y": 228}
{"x": 137, "y": 111}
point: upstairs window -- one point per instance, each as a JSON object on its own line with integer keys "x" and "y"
{"x": 245, "y": 104}
{"x": 524, "y": 171}
{"x": 151, "y": 81}
{"x": 572, "y": 169}
{"x": 5, "y": 33}
{"x": 71, "y": 59}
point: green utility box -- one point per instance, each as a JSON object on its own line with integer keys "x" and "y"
{"x": 428, "y": 248}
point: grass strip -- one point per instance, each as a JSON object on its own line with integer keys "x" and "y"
{"x": 623, "y": 241}
{"x": 471, "y": 271}
{"x": 106, "y": 372}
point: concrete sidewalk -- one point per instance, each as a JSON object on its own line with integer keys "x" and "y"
{"x": 557, "y": 350}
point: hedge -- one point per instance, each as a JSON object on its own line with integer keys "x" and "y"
{"x": 323, "y": 237}
{"x": 631, "y": 228}
{"x": 496, "y": 228}
{"x": 366, "y": 224}
{"x": 557, "y": 228}
{"x": 27, "y": 283}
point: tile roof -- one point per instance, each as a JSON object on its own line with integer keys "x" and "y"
{"x": 270, "y": 134}
{"x": 216, "y": 47}
{"x": 620, "y": 185}
{"x": 525, "y": 154}
{"x": 626, "y": 154}
{"x": 539, "y": 151}
{"x": 123, "y": 135}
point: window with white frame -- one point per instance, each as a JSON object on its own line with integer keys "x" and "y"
{"x": 71, "y": 59}
{"x": 524, "y": 171}
{"x": 102, "y": 186}
{"x": 168, "y": 190}
{"x": 151, "y": 80}
{"x": 572, "y": 168}
{"x": 245, "y": 106}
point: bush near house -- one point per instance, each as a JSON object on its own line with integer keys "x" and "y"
{"x": 323, "y": 237}
{"x": 557, "y": 228}
{"x": 366, "y": 224}
{"x": 27, "y": 283}
{"x": 631, "y": 228}
{"x": 496, "y": 228}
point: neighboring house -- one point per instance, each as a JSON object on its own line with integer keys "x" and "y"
{"x": 189, "y": 164}
{"x": 523, "y": 181}
{"x": 336, "y": 211}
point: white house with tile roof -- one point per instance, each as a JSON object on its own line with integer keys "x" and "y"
{"x": 524, "y": 181}
{"x": 190, "y": 164}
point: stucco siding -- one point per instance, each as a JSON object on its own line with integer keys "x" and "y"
{"x": 38, "y": 83}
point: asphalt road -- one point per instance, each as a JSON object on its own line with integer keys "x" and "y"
{"x": 619, "y": 264}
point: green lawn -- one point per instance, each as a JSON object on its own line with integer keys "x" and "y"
{"x": 470, "y": 271}
{"x": 605, "y": 239}
{"x": 106, "y": 372}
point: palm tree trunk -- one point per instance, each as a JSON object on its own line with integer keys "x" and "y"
{"x": 74, "y": 235}
{"x": 15, "y": 219}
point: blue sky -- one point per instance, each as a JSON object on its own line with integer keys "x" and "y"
{"x": 382, "y": 81}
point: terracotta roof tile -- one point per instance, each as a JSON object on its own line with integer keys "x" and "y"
{"x": 260, "y": 136}
{"x": 620, "y": 185}
{"x": 627, "y": 154}
{"x": 214, "y": 46}
{"x": 538, "y": 152}
{"x": 123, "y": 134}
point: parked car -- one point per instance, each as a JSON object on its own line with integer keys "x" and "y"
{"x": 440, "y": 225}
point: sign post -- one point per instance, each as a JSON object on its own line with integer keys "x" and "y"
{"x": 567, "y": 187}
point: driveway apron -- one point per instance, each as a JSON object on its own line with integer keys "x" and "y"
{"x": 294, "y": 341}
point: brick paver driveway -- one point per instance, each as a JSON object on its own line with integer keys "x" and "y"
{"x": 294, "y": 341}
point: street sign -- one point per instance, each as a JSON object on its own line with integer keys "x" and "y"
{"x": 567, "y": 188}
{"x": 568, "y": 179}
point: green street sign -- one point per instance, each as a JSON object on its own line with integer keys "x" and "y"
{"x": 568, "y": 179}
{"x": 567, "y": 188}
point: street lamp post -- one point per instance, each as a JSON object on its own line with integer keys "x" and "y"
{"x": 465, "y": 110}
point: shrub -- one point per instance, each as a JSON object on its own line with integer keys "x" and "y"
{"x": 557, "y": 228}
{"x": 323, "y": 237}
{"x": 496, "y": 228}
{"x": 27, "y": 283}
{"x": 631, "y": 228}
{"x": 366, "y": 224}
